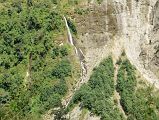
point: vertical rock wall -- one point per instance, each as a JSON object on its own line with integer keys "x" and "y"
{"x": 138, "y": 24}
{"x": 115, "y": 25}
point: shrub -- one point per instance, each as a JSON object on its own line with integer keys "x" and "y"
{"x": 97, "y": 93}
{"x": 72, "y": 26}
{"x": 64, "y": 51}
{"x": 134, "y": 100}
{"x": 63, "y": 69}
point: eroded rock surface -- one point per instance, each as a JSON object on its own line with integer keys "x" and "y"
{"x": 113, "y": 26}
{"x": 117, "y": 25}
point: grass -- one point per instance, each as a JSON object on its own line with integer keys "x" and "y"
{"x": 83, "y": 113}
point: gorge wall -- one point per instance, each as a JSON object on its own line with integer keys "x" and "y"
{"x": 117, "y": 25}
{"x": 113, "y": 26}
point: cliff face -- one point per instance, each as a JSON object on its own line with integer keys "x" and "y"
{"x": 152, "y": 49}
{"x": 117, "y": 25}
{"x": 113, "y": 26}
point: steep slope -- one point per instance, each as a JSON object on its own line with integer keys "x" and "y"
{"x": 37, "y": 66}
{"x": 40, "y": 72}
{"x": 116, "y": 25}
{"x": 137, "y": 32}
{"x": 137, "y": 100}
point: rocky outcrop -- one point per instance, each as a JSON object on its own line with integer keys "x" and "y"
{"x": 76, "y": 114}
{"x": 113, "y": 26}
{"x": 140, "y": 38}
{"x": 151, "y": 50}
{"x": 117, "y": 25}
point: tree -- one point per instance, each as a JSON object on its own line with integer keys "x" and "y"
{"x": 97, "y": 93}
{"x": 29, "y": 3}
{"x": 63, "y": 69}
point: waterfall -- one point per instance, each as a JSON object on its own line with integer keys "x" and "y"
{"x": 78, "y": 51}
{"x": 70, "y": 38}
{"x": 69, "y": 32}
{"x": 81, "y": 57}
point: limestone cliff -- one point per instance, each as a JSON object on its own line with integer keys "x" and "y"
{"x": 117, "y": 25}
{"x": 113, "y": 26}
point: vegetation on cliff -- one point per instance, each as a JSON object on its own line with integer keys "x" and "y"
{"x": 36, "y": 65}
{"x": 33, "y": 67}
{"x": 139, "y": 102}
{"x": 97, "y": 94}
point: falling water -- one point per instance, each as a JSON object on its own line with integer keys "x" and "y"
{"x": 69, "y": 32}
{"x": 78, "y": 51}
{"x": 80, "y": 55}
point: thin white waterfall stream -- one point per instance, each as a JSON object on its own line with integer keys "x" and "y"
{"x": 69, "y": 32}
{"x": 70, "y": 38}
{"x": 80, "y": 55}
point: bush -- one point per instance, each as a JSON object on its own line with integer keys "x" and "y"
{"x": 134, "y": 100}
{"x": 97, "y": 93}
{"x": 54, "y": 1}
{"x": 60, "y": 88}
{"x": 29, "y": 31}
{"x": 55, "y": 52}
{"x": 63, "y": 69}
{"x": 99, "y": 1}
{"x": 81, "y": 11}
{"x": 72, "y": 26}
{"x": 64, "y": 51}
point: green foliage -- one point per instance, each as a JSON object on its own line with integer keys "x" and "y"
{"x": 63, "y": 69}
{"x": 72, "y": 26}
{"x": 55, "y": 1}
{"x": 97, "y": 94}
{"x": 59, "y": 51}
{"x": 127, "y": 80}
{"x": 55, "y": 21}
{"x": 99, "y": 1}
{"x": 73, "y": 2}
{"x": 81, "y": 11}
{"x": 136, "y": 102}
{"x": 29, "y": 3}
{"x": 55, "y": 52}
{"x": 28, "y": 45}
{"x": 64, "y": 51}
{"x": 139, "y": 103}
{"x": 60, "y": 88}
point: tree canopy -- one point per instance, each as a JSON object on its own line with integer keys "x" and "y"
{"x": 33, "y": 67}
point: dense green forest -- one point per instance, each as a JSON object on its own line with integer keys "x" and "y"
{"x": 97, "y": 94}
{"x": 138, "y": 101}
{"x": 34, "y": 69}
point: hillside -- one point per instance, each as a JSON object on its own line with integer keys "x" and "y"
{"x": 79, "y": 59}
